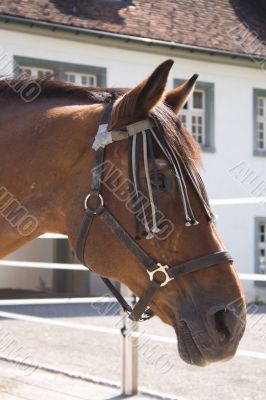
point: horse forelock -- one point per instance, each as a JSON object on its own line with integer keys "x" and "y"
{"x": 176, "y": 134}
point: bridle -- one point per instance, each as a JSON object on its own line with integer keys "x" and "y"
{"x": 141, "y": 311}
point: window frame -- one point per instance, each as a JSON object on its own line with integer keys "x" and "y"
{"x": 209, "y": 121}
{"x": 256, "y": 150}
{"x": 258, "y": 221}
{"x": 60, "y": 68}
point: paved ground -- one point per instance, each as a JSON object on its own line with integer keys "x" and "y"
{"x": 98, "y": 354}
{"x": 43, "y": 385}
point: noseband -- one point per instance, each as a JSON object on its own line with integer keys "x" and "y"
{"x": 141, "y": 311}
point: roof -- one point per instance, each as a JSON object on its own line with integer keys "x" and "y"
{"x": 235, "y": 26}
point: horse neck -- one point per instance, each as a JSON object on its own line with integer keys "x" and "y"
{"x": 44, "y": 167}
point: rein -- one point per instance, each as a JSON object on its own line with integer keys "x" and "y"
{"x": 133, "y": 132}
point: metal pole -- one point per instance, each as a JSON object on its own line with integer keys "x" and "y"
{"x": 129, "y": 383}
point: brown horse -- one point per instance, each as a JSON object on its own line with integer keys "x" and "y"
{"x": 46, "y": 156}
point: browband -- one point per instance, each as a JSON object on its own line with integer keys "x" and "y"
{"x": 105, "y": 137}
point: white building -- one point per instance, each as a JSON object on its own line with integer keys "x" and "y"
{"x": 118, "y": 43}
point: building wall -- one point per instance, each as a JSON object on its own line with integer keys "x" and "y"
{"x": 29, "y": 279}
{"x": 233, "y": 115}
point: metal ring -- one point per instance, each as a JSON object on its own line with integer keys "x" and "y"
{"x": 96, "y": 210}
{"x": 163, "y": 269}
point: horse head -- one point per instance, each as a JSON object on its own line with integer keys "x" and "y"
{"x": 151, "y": 185}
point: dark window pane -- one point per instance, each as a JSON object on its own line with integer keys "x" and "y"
{"x": 198, "y": 100}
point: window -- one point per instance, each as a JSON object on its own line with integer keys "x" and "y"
{"x": 193, "y": 116}
{"x": 76, "y": 73}
{"x": 259, "y": 122}
{"x": 198, "y": 114}
{"x": 81, "y": 79}
{"x": 260, "y": 248}
{"x": 36, "y": 72}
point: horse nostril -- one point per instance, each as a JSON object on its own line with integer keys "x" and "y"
{"x": 220, "y": 324}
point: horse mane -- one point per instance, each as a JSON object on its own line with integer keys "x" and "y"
{"x": 175, "y": 133}
{"x": 10, "y": 87}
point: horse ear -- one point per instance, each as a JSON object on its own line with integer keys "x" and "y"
{"x": 176, "y": 98}
{"x": 142, "y": 98}
{"x": 139, "y": 101}
{"x": 150, "y": 91}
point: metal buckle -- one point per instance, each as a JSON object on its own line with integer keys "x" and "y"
{"x": 147, "y": 314}
{"x": 96, "y": 210}
{"x": 163, "y": 269}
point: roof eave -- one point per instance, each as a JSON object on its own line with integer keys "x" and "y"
{"x": 8, "y": 20}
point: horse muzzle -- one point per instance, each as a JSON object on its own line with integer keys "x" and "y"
{"x": 214, "y": 338}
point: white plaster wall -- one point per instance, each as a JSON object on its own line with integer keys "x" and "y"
{"x": 233, "y": 122}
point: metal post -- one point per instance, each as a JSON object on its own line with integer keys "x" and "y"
{"x": 129, "y": 384}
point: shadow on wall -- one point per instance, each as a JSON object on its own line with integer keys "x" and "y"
{"x": 101, "y": 10}
{"x": 252, "y": 14}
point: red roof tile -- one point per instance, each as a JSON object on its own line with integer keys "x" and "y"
{"x": 227, "y": 25}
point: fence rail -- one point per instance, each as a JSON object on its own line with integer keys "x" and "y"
{"x": 79, "y": 267}
{"x": 42, "y": 265}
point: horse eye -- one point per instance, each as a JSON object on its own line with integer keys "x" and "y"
{"x": 158, "y": 182}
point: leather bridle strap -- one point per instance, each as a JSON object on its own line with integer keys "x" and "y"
{"x": 89, "y": 213}
{"x": 112, "y": 223}
{"x": 95, "y": 187}
{"x": 199, "y": 263}
{"x": 140, "y": 311}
